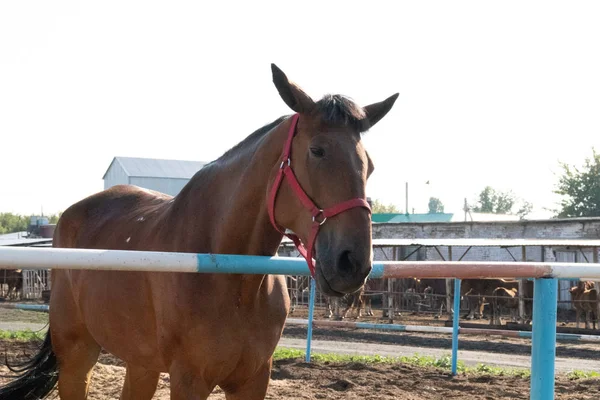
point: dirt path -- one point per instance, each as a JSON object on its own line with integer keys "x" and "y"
{"x": 21, "y": 326}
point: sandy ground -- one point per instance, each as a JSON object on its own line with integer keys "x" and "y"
{"x": 294, "y": 379}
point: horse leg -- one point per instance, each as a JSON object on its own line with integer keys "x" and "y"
{"x": 140, "y": 383}
{"x": 75, "y": 349}
{"x": 254, "y": 388}
{"x": 76, "y": 353}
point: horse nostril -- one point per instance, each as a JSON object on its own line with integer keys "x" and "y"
{"x": 345, "y": 263}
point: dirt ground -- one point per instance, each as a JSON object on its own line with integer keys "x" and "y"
{"x": 294, "y": 379}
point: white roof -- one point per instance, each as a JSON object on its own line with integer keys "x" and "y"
{"x": 157, "y": 168}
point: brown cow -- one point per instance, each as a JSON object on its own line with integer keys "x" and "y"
{"x": 372, "y": 288}
{"x": 404, "y": 292}
{"x": 14, "y": 280}
{"x": 434, "y": 294}
{"x": 476, "y": 290}
{"x": 352, "y": 301}
{"x": 584, "y": 299}
{"x": 504, "y": 298}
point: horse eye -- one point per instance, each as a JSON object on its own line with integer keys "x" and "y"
{"x": 317, "y": 151}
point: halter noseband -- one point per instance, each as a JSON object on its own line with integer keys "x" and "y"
{"x": 319, "y": 216}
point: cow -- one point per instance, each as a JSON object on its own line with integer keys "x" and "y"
{"x": 434, "y": 294}
{"x": 584, "y": 298}
{"x": 476, "y": 290}
{"x": 413, "y": 299}
{"x": 404, "y": 292}
{"x": 502, "y": 298}
{"x": 355, "y": 301}
{"x": 14, "y": 280}
{"x": 372, "y": 288}
{"x": 296, "y": 286}
{"x": 351, "y": 301}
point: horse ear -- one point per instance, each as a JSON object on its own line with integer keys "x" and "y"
{"x": 291, "y": 93}
{"x": 376, "y": 111}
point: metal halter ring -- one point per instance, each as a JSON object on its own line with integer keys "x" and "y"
{"x": 283, "y": 162}
{"x": 314, "y": 218}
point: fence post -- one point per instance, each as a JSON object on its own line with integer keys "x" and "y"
{"x": 543, "y": 343}
{"x": 311, "y": 312}
{"x": 455, "y": 322}
{"x": 521, "y": 288}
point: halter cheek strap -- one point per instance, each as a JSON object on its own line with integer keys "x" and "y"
{"x": 319, "y": 216}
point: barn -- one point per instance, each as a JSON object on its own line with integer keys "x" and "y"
{"x": 165, "y": 176}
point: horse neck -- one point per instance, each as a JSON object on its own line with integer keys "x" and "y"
{"x": 224, "y": 208}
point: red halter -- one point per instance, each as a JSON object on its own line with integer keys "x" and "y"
{"x": 319, "y": 216}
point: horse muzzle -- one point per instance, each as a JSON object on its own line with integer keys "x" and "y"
{"x": 343, "y": 271}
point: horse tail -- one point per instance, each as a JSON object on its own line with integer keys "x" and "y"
{"x": 38, "y": 376}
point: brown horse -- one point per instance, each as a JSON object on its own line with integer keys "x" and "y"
{"x": 208, "y": 329}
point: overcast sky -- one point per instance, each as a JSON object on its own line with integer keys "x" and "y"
{"x": 490, "y": 93}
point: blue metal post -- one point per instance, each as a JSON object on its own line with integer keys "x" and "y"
{"x": 311, "y": 312}
{"x": 455, "y": 321}
{"x": 543, "y": 343}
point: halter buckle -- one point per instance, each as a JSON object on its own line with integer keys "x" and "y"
{"x": 314, "y": 218}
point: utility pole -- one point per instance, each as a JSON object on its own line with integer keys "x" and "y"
{"x": 467, "y": 210}
{"x": 406, "y": 209}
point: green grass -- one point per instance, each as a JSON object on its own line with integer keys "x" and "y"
{"x": 443, "y": 363}
{"x": 574, "y": 375}
{"x": 25, "y": 335}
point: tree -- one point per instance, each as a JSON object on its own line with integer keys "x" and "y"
{"x": 435, "y": 206}
{"x": 495, "y": 202}
{"x": 10, "y": 223}
{"x": 53, "y": 219}
{"x": 581, "y": 187}
{"x": 379, "y": 208}
{"x": 525, "y": 209}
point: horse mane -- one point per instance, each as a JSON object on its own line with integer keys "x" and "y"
{"x": 253, "y": 137}
{"x": 337, "y": 109}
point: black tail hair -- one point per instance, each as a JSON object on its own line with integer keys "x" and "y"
{"x": 38, "y": 375}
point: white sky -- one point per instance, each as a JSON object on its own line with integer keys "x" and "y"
{"x": 490, "y": 93}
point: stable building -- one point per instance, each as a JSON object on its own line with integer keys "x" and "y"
{"x": 165, "y": 176}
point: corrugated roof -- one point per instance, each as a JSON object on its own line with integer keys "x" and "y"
{"x": 404, "y": 218}
{"x": 441, "y": 217}
{"x": 478, "y": 242}
{"x": 483, "y": 242}
{"x": 158, "y": 168}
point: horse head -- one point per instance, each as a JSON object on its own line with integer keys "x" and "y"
{"x": 331, "y": 166}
